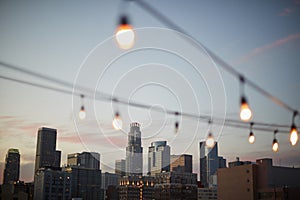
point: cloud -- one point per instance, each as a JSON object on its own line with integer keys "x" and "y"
{"x": 286, "y": 12}
{"x": 262, "y": 49}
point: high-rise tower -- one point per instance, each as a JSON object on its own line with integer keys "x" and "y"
{"x": 210, "y": 161}
{"x": 46, "y": 154}
{"x": 158, "y": 157}
{"x": 12, "y": 166}
{"x": 134, "y": 151}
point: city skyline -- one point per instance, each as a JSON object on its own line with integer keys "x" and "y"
{"x": 260, "y": 39}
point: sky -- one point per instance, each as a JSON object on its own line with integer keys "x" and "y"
{"x": 73, "y": 41}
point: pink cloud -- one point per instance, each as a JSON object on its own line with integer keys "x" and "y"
{"x": 286, "y": 12}
{"x": 267, "y": 47}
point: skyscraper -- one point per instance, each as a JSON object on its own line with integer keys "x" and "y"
{"x": 120, "y": 167}
{"x": 181, "y": 163}
{"x": 209, "y": 163}
{"x": 134, "y": 151}
{"x": 46, "y": 154}
{"x": 12, "y": 166}
{"x": 158, "y": 157}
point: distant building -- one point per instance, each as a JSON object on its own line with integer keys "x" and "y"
{"x": 260, "y": 180}
{"x": 12, "y": 166}
{"x": 238, "y": 162}
{"x": 207, "y": 193}
{"x": 210, "y": 161}
{"x": 175, "y": 185}
{"x": 181, "y": 163}
{"x": 89, "y": 160}
{"x": 136, "y": 188}
{"x": 109, "y": 185}
{"x": 46, "y": 154}
{"x": 120, "y": 167}
{"x": 85, "y": 182}
{"x": 17, "y": 190}
{"x": 52, "y": 184}
{"x": 158, "y": 157}
{"x": 134, "y": 151}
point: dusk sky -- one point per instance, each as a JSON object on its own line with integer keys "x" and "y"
{"x": 73, "y": 41}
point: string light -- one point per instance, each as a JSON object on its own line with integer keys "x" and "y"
{"x": 117, "y": 121}
{"x": 294, "y": 132}
{"x": 82, "y": 113}
{"x": 251, "y": 134}
{"x": 210, "y": 141}
{"x": 245, "y": 111}
{"x": 125, "y": 35}
{"x": 275, "y": 145}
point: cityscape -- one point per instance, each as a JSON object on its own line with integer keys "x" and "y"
{"x": 168, "y": 176}
{"x": 160, "y": 99}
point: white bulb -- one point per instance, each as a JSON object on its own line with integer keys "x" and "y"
{"x": 117, "y": 123}
{"x": 294, "y": 136}
{"x": 82, "y": 114}
{"x": 245, "y": 113}
{"x": 125, "y": 36}
{"x": 251, "y": 138}
{"x": 210, "y": 141}
{"x": 275, "y": 146}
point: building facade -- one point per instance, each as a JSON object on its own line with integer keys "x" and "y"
{"x": 181, "y": 163}
{"x": 11, "y": 171}
{"x": 46, "y": 153}
{"x": 52, "y": 184}
{"x": 120, "y": 167}
{"x": 158, "y": 157}
{"x": 136, "y": 188}
{"x": 134, "y": 151}
{"x": 175, "y": 186}
{"x": 210, "y": 161}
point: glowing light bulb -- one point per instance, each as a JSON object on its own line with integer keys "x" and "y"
{"x": 245, "y": 112}
{"x": 125, "y": 35}
{"x": 210, "y": 141}
{"x": 82, "y": 113}
{"x": 117, "y": 122}
{"x": 275, "y": 146}
{"x": 251, "y": 138}
{"x": 294, "y": 135}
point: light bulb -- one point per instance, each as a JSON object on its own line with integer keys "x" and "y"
{"x": 293, "y": 135}
{"x": 117, "y": 122}
{"x": 125, "y": 35}
{"x": 210, "y": 141}
{"x": 251, "y": 138}
{"x": 245, "y": 111}
{"x": 82, "y": 113}
{"x": 275, "y": 146}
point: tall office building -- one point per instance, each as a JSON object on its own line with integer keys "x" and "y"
{"x": 181, "y": 163}
{"x": 134, "y": 151}
{"x": 158, "y": 157}
{"x": 46, "y": 154}
{"x": 120, "y": 167}
{"x": 89, "y": 160}
{"x": 12, "y": 166}
{"x": 210, "y": 161}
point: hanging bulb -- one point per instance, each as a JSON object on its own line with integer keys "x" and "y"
{"x": 125, "y": 35}
{"x": 251, "y": 138}
{"x": 245, "y": 112}
{"x": 117, "y": 122}
{"x": 176, "y": 126}
{"x": 293, "y": 135}
{"x": 82, "y": 113}
{"x": 275, "y": 146}
{"x": 210, "y": 141}
{"x": 251, "y": 134}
